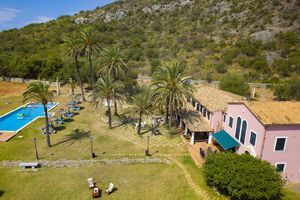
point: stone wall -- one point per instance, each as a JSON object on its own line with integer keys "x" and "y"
{"x": 23, "y": 80}
{"x": 79, "y": 163}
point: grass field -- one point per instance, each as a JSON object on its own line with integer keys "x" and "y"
{"x": 134, "y": 181}
{"x": 153, "y": 181}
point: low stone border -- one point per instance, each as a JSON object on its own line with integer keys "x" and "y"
{"x": 143, "y": 154}
{"x": 79, "y": 163}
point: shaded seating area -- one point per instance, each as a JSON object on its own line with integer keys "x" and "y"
{"x": 59, "y": 120}
{"x": 73, "y": 105}
{"x": 51, "y": 129}
{"x": 196, "y": 127}
{"x": 225, "y": 140}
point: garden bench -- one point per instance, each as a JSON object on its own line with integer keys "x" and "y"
{"x": 29, "y": 165}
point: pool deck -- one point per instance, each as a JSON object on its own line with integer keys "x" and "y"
{"x": 5, "y": 136}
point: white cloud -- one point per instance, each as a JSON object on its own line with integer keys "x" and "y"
{"x": 7, "y": 14}
{"x": 41, "y": 19}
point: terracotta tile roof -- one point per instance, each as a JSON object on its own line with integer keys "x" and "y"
{"x": 194, "y": 120}
{"x": 214, "y": 99}
{"x": 276, "y": 113}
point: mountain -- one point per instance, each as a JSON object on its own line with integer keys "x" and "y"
{"x": 258, "y": 39}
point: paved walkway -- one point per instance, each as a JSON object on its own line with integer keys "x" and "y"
{"x": 5, "y": 136}
{"x": 128, "y": 133}
{"x": 194, "y": 149}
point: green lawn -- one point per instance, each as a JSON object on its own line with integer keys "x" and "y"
{"x": 66, "y": 145}
{"x": 291, "y": 192}
{"x": 153, "y": 181}
{"x": 9, "y": 103}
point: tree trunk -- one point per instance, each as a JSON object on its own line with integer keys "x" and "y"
{"x": 139, "y": 124}
{"x": 116, "y": 108}
{"x": 109, "y": 113}
{"x": 115, "y": 103}
{"x": 91, "y": 68}
{"x": 171, "y": 112}
{"x": 47, "y": 126}
{"x": 79, "y": 79}
{"x": 167, "y": 113}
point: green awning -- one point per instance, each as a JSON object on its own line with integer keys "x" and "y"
{"x": 225, "y": 140}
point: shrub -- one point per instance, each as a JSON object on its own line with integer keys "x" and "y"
{"x": 209, "y": 77}
{"x": 221, "y": 67}
{"x": 247, "y": 47}
{"x": 244, "y": 61}
{"x": 288, "y": 91}
{"x": 289, "y": 38}
{"x": 281, "y": 92}
{"x": 152, "y": 53}
{"x": 242, "y": 176}
{"x": 260, "y": 64}
{"x": 235, "y": 84}
{"x": 229, "y": 55}
{"x": 282, "y": 67}
{"x": 154, "y": 64}
{"x": 294, "y": 88}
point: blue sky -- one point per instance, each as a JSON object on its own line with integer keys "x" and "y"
{"x": 18, "y": 13}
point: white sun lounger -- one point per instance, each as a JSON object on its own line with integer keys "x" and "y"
{"x": 90, "y": 182}
{"x": 110, "y": 188}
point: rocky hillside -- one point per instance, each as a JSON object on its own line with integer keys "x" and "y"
{"x": 259, "y": 39}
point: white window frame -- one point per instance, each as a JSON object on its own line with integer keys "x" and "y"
{"x": 280, "y": 163}
{"x": 286, "y": 140}
{"x": 252, "y": 131}
{"x": 232, "y": 121}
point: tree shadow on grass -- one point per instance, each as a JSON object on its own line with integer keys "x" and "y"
{"x": 146, "y": 130}
{"x": 75, "y": 135}
{"x": 68, "y": 120}
{"x": 60, "y": 128}
{"x": 1, "y": 193}
{"x": 124, "y": 121}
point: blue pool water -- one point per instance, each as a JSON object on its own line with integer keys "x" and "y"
{"x": 19, "y": 118}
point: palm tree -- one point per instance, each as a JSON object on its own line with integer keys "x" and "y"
{"x": 107, "y": 90}
{"x": 171, "y": 88}
{"x": 141, "y": 104}
{"x": 73, "y": 50}
{"x": 72, "y": 83}
{"x": 89, "y": 45}
{"x": 111, "y": 62}
{"x": 40, "y": 92}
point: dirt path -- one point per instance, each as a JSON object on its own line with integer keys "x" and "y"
{"x": 199, "y": 191}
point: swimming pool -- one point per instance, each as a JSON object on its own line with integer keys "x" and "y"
{"x": 17, "y": 119}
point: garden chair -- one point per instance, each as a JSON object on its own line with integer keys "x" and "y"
{"x": 109, "y": 189}
{"x": 90, "y": 182}
{"x": 202, "y": 153}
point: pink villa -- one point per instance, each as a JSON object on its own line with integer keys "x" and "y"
{"x": 269, "y": 131}
{"x": 204, "y": 113}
